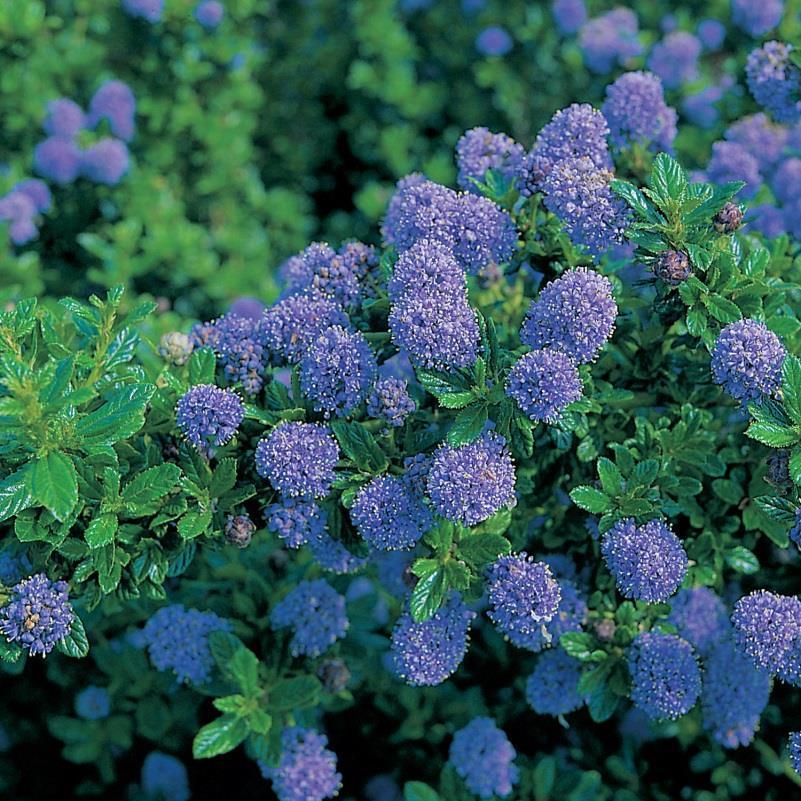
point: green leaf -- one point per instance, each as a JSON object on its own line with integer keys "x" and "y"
{"x": 15, "y": 493}
{"x": 101, "y": 530}
{"x": 75, "y": 644}
{"x": 244, "y": 667}
{"x": 194, "y": 523}
{"x": 791, "y": 387}
{"x": 151, "y": 485}
{"x": 418, "y": 791}
{"x": 299, "y": 692}
{"x": 427, "y": 596}
{"x": 611, "y": 478}
{"x": 696, "y": 321}
{"x": 224, "y": 478}
{"x": 482, "y": 549}
{"x": 578, "y": 644}
{"x": 223, "y": 646}
{"x": 10, "y": 652}
{"x": 774, "y": 435}
{"x": 219, "y": 737}
{"x": 779, "y": 509}
{"x": 360, "y": 446}
{"x": 54, "y": 483}
{"x": 468, "y": 425}
{"x": 635, "y": 199}
{"x": 544, "y": 776}
{"x": 590, "y": 499}
{"x": 721, "y": 309}
{"x": 201, "y": 366}
{"x": 456, "y": 400}
{"x": 795, "y": 465}
{"x": 742, "y": 560}
{"x": 120, "y": 417}
{"x": 602, "y": 703}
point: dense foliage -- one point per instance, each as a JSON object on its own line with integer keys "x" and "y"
{"x": 491, "y": 491}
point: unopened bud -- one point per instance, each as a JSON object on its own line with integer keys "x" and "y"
{"x": 334, "y": 675}
{"x": 175, "y": 348}
{"x": 728, "y": 219}
{"x": 673, "y": 267}
{"x": 239, "y": 530}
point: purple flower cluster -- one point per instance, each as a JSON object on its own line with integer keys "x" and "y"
{"x": 574, "y": 314}
{"x": 756, "y": 18}
{"x": 164, "y": 776}
{"x": 543, "y": 383}
{"x": 209, "y": 417}
{"x": 637, "y": 114}
{"x": 494, "y": 41}
{"x": 732, "y": 162}
{"x": 610, "y": 40}
{"x": 473, "y": 228}
{"x": 21, "y": 207}
{"x": 747, "y": 360}
{"x": 552, "y": 688}
{"x": 700, "y": 617}
{"x": 479, "y": 150}
{"x": 767, "y": 628}
{"x": 294, "y": 323}
{"x": 774, "y": 81}
{"x": 177, "y": 639}
{"x": 762, "y": 138}
{"x": 295, "y": 521}
{"x": 320, "y": 270}
{"x": 38, "y": 615}
{"x": 427, "y": 653}
{"x": 483, "y": 756}
{"x": 468, "y": 484}
{"x": 315, "y": 612}
{"x": 432, "y": 321}
{"x": 298, "y": 459}
{"x": 59, "y": 159}
{"x": 390, "y": 401}
{"x": 794, "y": 748}
{"x": 148, "y": 10}
{"x": 93, "y": 703}
{"x": 576, "y": 132}
{"x": 209, "y": 13}
{"x": 389, "y": 515}
{"x": 675, "y": 59}
{"x": 665, "y": 675}
{"x": 337, "y": 371}
{"x": 522, "y": 594}
{"x": 307, "y": 770}
{"x": 712, "y": 33}
{"x": 240, "y": 344}
{"x": 569, "y": 15}
{"x": 733, "y": 696}
{"x": 648, "y": 561}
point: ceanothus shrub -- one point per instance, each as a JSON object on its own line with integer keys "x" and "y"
{"x": 512, "y": 464}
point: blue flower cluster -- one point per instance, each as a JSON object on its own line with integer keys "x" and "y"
{"x": 610, "y": 40}
{"x": 665, "y": 675}
{"x": 427, "y": 653}
{"x": 209, "y": 417}
{"x": 240, "y": 344}
{"x": 209, "y": 13}
{"x": 390, "y": 401}
{"x": 747, "y": 360}
{"x": 648, "y": 561}
{"x": 59, "y": 157}
{"x": 164, "y": 776}
{"x": 756, "y": 19}
{"x": 637, "y": 114}
{"x": 675, "y": 59}
{"x": 774, "y": 81}
{"x": 483, "y": 756}
{"x": 480, "y": 150}
{"x": 389, "y": 514}
{"x": 315, "y": 612}
{"x": 574, "y": 314}
{"x": 544, "y": 383}
{"x": 298, "y": 459}
{"x": 38, "y": 615}
{"x": 93, "y": 703}
{"x": 337, "y": 371}
{"x": 569, "y": 15}
{"x": 148, "y": 10}
{"x": 522, "y": 594}
{"x": 307, "y": 769}
{"x": 21, "y": 209}
{"x": 177, "y": 639}
{"x": 767, "y": 628}
{"x": 700, "y": 617}
{"x": 470, "y": 483}
{"x": 552, "y": 688}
